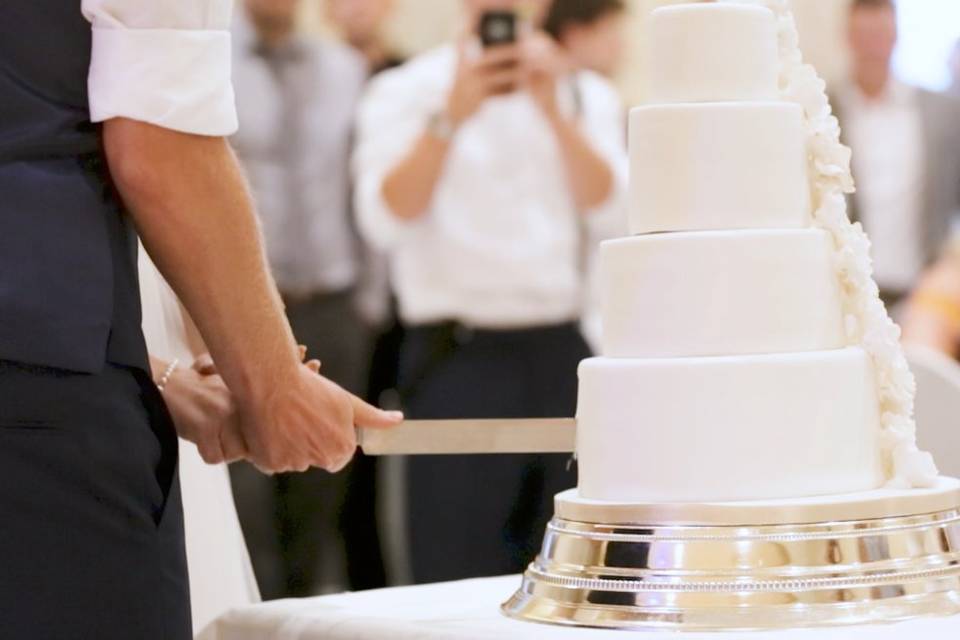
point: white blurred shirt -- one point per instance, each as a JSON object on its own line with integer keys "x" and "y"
{"x": 503, "y": 244}
{"x": 165, "y": 62}
{"x": 886, "y": 135}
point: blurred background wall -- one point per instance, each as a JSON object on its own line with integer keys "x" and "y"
{"x": 421, "y": 24}
{"x": 928, "y": 30}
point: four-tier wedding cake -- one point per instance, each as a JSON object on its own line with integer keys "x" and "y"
{"x": 746, "y": 353}
{"x": 746, "y": 441}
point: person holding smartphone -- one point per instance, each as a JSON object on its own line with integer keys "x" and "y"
{"x": 479, "y": 167}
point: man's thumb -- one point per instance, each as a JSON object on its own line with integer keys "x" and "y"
{"x": 365, "y": 415}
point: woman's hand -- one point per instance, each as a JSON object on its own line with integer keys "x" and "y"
{"x": 205, "y": 414}
{"x": 932, "y": 314}
{"x": 495, "y": 71}
{"x": 543, "y": 62}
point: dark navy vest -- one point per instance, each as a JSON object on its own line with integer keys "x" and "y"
{"x": 69, "y": 296}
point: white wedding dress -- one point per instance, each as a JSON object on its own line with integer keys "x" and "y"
{"x": 221, "y": 576}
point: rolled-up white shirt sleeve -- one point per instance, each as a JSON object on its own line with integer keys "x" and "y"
{"x": 162, "y": 62}
{"x": 604, "y": 125}
{"x": 391, "y": 116}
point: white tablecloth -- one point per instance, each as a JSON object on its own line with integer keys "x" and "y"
{"x": 469, "y": 610}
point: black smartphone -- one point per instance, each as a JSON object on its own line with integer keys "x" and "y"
{"x": 498, "y": 27}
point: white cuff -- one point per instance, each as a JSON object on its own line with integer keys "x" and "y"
{"x": 377, "y": 223}
{"x": 174, "y": 78}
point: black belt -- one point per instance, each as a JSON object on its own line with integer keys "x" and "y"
{"x": 462, "y": 333}
{"x": 300, "y": 298}
{"x": 444, "y": 338}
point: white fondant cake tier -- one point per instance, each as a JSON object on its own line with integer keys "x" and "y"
{"x": 718, "y": 166}
{"x": 728, "y": 428}
{"x": 714, "y": 293}
{"x": 712, "y": 52}
{"x": 874, "y": 504}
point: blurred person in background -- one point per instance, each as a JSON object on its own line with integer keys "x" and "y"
{"x": 591, "y": 32}
{"x": 296, "y": 98}
{"x": 954, "y": 64}
{"x": 361, "y": 24}
{"x": 906, "y": 153}
{"x": 477, "y": 167}
{"x": 932, "y": 315}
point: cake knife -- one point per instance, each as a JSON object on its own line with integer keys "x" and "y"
{"x": 434, "y": 437}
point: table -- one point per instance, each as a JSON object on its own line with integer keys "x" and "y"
{"x": 469, "y": 610}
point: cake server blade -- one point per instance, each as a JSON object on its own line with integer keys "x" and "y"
{"x": 434, "y": 437}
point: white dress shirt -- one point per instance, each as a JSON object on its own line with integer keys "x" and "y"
{"x": 165, "y": 62}
{"x": 503, "y": 243}
{"x": 886, "y": 135}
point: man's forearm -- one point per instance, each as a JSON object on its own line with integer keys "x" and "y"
{"x": 591, "y": 179}
{"x": 408, "y": 189}
{"x": 194, "y": 214}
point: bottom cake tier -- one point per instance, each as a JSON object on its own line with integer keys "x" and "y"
{"x": 728, "y": 428}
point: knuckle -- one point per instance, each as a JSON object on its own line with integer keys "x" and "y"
{"x": 208, "y": 453}
{"x": 325, "y": 461}
{"x": 271, "y": 459}
{"x": 296, "y": 465}
{"x": 232, "y": 452}
{"x": 341, "y": 459}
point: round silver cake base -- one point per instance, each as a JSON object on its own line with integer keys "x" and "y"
{"x": 872, "y": 557}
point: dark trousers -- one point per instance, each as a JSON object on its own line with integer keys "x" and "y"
{"x": 294, "y": 523}
{"x": 485, "y": 515}
{"x": 91, "y": 531}
{"x": 359, "y": 522}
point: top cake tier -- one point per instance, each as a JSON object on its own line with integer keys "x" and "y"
{"x": 712, "y": 53}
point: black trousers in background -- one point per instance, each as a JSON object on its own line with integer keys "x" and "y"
{"x": 359, "y": 521}
{"x": 295, "y": 523}
{"x": 484, "y": 515}
{"x": 91, "y": 525}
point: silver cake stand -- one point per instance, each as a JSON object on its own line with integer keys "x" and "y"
{"x": 869, "y": 557}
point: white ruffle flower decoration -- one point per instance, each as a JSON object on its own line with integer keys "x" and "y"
{"x": 866, "y": 319}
